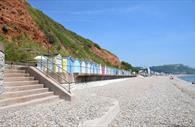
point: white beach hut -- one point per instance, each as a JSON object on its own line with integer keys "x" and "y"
{"x": 83, "y": 67}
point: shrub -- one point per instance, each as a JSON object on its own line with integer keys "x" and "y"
{"x": 5, "y": 28}
{"x": 51, "y": 39}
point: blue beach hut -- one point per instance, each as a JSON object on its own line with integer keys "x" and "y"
{"x": 111, "y": 70}
{"x": 97, "y": 69}
{"x": 115, "y": 71}
{"x": 76, "y": 66}
{"x": 119, "y": 72}
{"x": 92, "y": 70}
{"x": 70, "y": 63}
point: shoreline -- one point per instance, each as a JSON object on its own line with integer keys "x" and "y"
{"x": 185, "y": 86}
{"x": 183, "y": 75}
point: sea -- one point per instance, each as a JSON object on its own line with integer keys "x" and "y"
{"x": 189, "y": 78}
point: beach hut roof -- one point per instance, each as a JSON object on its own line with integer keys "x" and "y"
{"x": 40, "y": 58}
{"x": 69, "y": 58}
{"x": 82, "y": 61}
{"x": 78, "y": 60}
{"x": 88, "y": 62}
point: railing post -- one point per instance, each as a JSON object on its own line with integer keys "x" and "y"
{"x": 41, "y": 64}
{"x": 2, "y": 64}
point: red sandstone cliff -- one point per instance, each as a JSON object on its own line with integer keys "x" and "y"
{"x": 14, "y": 14}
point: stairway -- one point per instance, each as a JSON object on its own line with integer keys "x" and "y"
{"x": 21, "y": 89}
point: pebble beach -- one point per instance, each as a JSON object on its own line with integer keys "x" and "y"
{"x": 149, "y": 102}
{"x": 58, "y": 113}
{"x": 144, "y": 102}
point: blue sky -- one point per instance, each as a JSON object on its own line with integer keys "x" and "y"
{"x": 141, "y": 32}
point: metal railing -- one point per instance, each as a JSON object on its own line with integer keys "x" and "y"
{"x": 49, "y": 72}
{"x": 61, "y": 80}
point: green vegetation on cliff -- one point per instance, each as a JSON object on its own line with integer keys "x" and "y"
{"x": 64, "y": 41}
{"x": 15, "y": 49}
{"x": 129, "y": 67}
{"x": 40, "y": 32}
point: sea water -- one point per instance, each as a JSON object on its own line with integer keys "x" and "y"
{"x": 189, "y": 78}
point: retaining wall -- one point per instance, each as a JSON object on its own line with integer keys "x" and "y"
{"x": 80, "y": 78}
{"x": 2, "y": 63}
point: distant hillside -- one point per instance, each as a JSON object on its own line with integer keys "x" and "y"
{"x": 174, "y": 69}
{"x": 23, "y": 26}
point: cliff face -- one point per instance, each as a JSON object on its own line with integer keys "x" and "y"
{"x": 14, "y": 14}
{"x": 18, "y": 18}
{"x": 106, "y": 55}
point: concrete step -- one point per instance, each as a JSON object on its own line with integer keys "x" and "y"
{"x": 14, "y": 71}
{"x": 6, "y": 79}
{"x": 24, "y": 87}
{"x": 32, "y": 102}
{"x": 16, "y": 75}
{"x": 23, "y": 93}
{"x": 21, "y": 89}
{"x": 20, "y": 83}
{"x": 11, "y": 101}
{"x": 14, "y": 67}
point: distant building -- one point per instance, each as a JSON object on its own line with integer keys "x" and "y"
{"x": 145, "y": 72}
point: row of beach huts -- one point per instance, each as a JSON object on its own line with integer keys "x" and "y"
{"x": 59, "y": 64}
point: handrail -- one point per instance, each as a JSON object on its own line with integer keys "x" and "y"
{"x": 54, "y": 78}
{"x": 91, "y": 68}
{"x": 31, "y": 62}
{"x": 34, "y": 50}
{"x": 34, "y": 62}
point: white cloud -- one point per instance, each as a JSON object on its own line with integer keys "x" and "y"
{"x": 101, "y": 11}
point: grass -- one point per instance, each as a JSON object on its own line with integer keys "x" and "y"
{"x": 15, "y": 49}
{"x": 64, "y": 41}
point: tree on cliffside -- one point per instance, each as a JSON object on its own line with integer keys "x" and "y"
{"x": 129, "y": 67}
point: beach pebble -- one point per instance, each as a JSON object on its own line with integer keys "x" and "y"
{"x": 148, "y": 102}
{"x": 56, "y": 114}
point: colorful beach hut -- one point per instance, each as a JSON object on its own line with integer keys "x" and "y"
{"x": 112, "y": 71}
{"x": 88, "y": 67}
{"x": 64, "y": 65}
{"x": 83, "y": 67}
{"x": 97, "y": 69}
{"x": 109, "y": 70}
{"x": 76, "y": 66}
{"x": 106, "y": 70}
{"x": 56, "y": 62}
{"x": 70, "y": 62}
{"x": 41, "y": 62}
{"x": 92, "y": 70}
{"x": 50, "y": 64}
{"x": 103, "y": 70}
{"x": 100, "y": 69}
